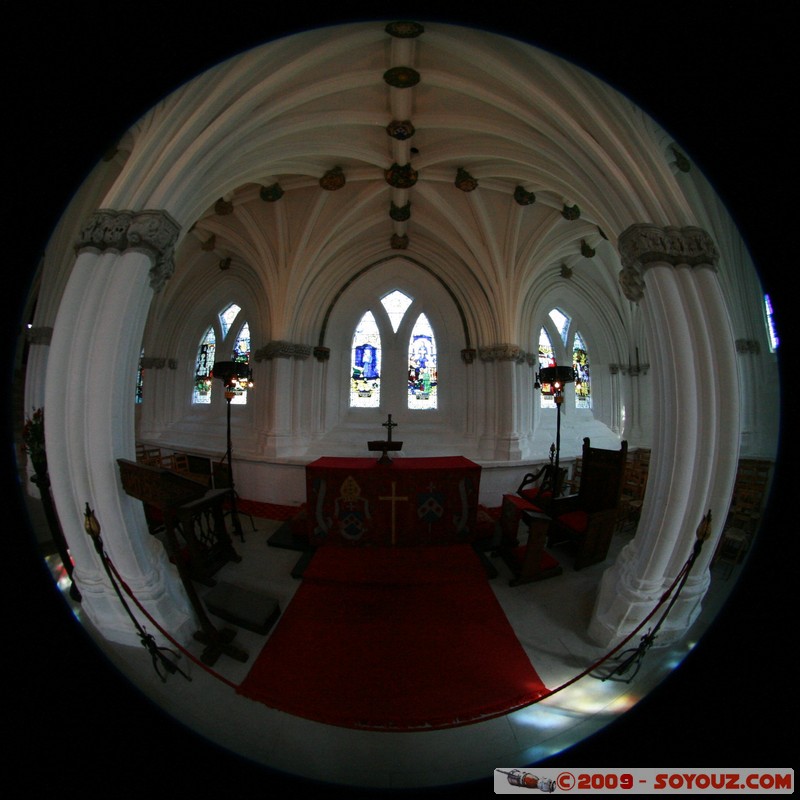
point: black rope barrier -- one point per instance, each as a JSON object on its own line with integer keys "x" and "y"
{"x": 159, "y": 655}
{"x": 633, "y": 658}
{"x": 637, "y": 654}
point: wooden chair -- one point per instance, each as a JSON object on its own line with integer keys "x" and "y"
{"x": 145, "y": 454}
{"x": 528, "y": 561}
{"x": 572, "y": 483}
{"x": 750, "y": 491}
{"x": 539, "y": 488}
{"x": 587, "y": 519}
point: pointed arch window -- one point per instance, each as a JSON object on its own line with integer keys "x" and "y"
{"x": 562, "y": 322}
{"x": 365, "y": 364}
{"x": 547, "y": 358}
{"x": 241, "y": 354}
{"x": 412, "y": 360}
{"x": 423, "y": 377}
{"x": 206, "y": 354}
{"x": 396, "y": 304}
{"x": 227, "y": 317}
{"x": 203, "y": 366}
{"x": 772, "y": 330}
{"x": 583, "y": 382}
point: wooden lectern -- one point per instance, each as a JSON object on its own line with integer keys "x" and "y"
{"x": 387, "y": 445}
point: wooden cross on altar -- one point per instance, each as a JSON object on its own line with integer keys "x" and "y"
{"x": 385, "y": 445}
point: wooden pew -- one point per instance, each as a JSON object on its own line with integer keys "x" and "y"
{"x": 189, "y": 512}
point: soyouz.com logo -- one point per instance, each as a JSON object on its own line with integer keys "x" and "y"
{"x": 648, "y": 781}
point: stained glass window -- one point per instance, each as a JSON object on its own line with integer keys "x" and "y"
{"x": 241, "y": 354}
{"x": 227, "y": 317}
{"x": 139, "y": 379}
{"x": 546, "y": 359}
{"x": 422, "y": 369}
{"x": 206, "y": 354}
{"x": 365, "y": 366}
{"x": 772, "y": 330}
{"x": 203, "y": 367}
{"x": 561, "y": 321}
{"x": 580, "y": 363}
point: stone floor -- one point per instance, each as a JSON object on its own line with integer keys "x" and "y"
{"x": 204, "y": 715}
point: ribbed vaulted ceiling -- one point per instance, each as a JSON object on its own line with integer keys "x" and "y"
{"x": 487, "y": 160}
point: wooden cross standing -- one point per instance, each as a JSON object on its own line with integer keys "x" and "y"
{"x": 387, "y": 444}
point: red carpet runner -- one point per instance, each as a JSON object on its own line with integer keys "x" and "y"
{"x": 394, "y": 639}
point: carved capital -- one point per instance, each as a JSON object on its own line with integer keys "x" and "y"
{"x": 152, "y": 362}
{"x": 503, "y": 352}
{"x": 635, "y": 370}
{"x": 643, "y": 245}
{"x": 153, "y": 233}
{"x": 747, "y": 346}
{"x": 157, "y": 362}
{"x": 322, "y": 353}
{"x": 283, "y": 349}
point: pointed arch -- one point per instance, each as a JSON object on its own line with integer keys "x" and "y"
{"x": 204, "y": 364}
{"x": 216, "y": 336}
{"x": 365, "y": 364}
{"x": 423, "y": 376}
{"x": 547, "y": 358}
{"x": 241, "y": 354}
{"x": 583, "y": 379}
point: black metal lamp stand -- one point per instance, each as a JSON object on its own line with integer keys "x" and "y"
{"x": 232, "y": 374}
{"x": 556, "y": 377}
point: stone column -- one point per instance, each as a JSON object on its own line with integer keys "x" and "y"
{"x": 157, "y": 377}
{"x": 284, "y": 416}
{"x": 89, "y": 407}
{"x": 504, "y": 364}
{"x": 695, "y": 424}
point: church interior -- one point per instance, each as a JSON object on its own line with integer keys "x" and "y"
{"x": 421, "y": 256}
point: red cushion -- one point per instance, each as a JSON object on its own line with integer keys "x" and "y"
{"x": 532, "y": 495}
{"x": 576, "y": 521}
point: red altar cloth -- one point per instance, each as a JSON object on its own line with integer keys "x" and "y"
{"x": 411, "y": 501}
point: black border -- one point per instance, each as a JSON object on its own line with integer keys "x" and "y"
{"x": 719, "y": 79}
